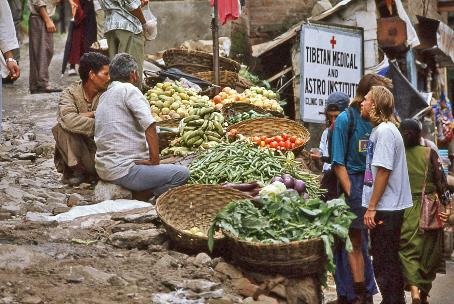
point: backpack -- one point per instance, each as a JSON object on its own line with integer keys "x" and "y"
{"x": 329, "y": 180}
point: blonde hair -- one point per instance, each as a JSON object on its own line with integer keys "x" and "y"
{"x": 383, "y": 107}
{"x": 366, "y": 83}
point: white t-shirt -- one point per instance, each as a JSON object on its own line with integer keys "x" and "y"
{"x": 324, "y": 149}
{"x": 386, "y": 149}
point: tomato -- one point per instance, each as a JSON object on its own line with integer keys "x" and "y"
{"x": 274, "y": 145}
{"x": 278, "y": 138}
{"x": 299, "y": 142}
{"x": 284, "y": 136}
{"x": 293, "y": 138}
{"x": 263, "y": 138}
{"x": 262, "y": 143}
{"x": 292, "y": 146}
{"x": 255, "y": 139}
{"x": 268, "y": 140}
{"x": 217, "y": 99}
{"x": 288, "y": 144}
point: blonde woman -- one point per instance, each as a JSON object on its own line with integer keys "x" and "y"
{"x": 386, "y": 192}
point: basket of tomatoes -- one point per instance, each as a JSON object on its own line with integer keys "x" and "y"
{"x": 272, "y": 132}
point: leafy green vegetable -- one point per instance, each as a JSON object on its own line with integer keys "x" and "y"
{"x": 285, "y": 217}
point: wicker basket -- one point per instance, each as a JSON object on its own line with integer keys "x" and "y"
{"x": 181, "y": 57}
{"x": 169, "y": 123}
{"x": 191, "y": 206}
{"x": 272, "y": 126}
{"x": 291, "y": 259}
{"x": 226, "y": 78}
{"x": 234, "y": 108}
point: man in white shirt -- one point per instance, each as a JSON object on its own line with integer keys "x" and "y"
{"x": 386, "y": 192}
{"x": 8, "y": 42}
{"x": 126, "y": 139}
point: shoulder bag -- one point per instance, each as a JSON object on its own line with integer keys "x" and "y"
{"x": 430, "y": 205}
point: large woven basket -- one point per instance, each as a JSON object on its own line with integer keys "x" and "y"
{"x": 291, "y": 259}
{"x": 182, "y": 58}
{"x": 233, "y": 108}
{"x": 272, "y": 126}
{"x": 189, "y": 206}
{"x": 226, "y": 78}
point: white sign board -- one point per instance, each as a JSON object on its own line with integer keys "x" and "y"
{"x": 331, "y": 61}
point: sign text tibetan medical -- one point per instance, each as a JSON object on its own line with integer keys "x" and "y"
{"x": 331, "y": 61}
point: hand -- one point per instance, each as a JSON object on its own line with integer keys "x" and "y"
{"x": 369, "y": 218}
{"x": 88, "y": 114}
{"x": 315, "y": 156}
{"x": 14, "y": 70}
{"x": 147, "y": 162}
{"x": 444, "y": 215}
{"x": 150, "y": 29}
{"x": 50, "y": 26}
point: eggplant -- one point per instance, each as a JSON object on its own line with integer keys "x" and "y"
{"x": 299, "y": 186}
{"x": 277, "y": 179}
{"x": 243, "y": 186}
{"x": 288, "y": 181}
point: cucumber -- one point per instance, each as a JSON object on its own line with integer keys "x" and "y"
{"x": 197, "y": 122}
{"x": 206, "y": 111}
{"x": 191, "y": 141}
{"x": 218, "y": 127}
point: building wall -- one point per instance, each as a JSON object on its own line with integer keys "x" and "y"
{"x": 361, "y": 14}
{"x": 270, "y": 18}
{"x": 426, "y": 8}
{"x": 179, "y": 21}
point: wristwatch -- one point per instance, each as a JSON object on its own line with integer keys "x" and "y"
{"x": 11, "y": 59}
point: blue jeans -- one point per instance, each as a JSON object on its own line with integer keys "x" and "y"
{"x": 343, "y": 276}
{"x": 158, "y": 178}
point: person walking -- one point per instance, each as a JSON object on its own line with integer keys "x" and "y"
{"x": 8, "y": 43}
{"x": 84, "y": 32}
{"x": 41, "y": 44}
{"x": 421, "y": 251}
{"x": 126, "y": 29}
{"x": 386, "y": 192}
{"x": 354, "y": 277}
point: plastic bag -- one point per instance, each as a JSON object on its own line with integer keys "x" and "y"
{"x": 152, "y": 22}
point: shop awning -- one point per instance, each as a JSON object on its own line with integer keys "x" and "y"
{"x": 437, "y": 39}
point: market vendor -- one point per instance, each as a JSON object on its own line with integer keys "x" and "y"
{"x": 126, "y": 138}
{"x": 74, "y": 145}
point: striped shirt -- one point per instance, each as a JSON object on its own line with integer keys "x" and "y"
{"x": 122, "y": 116}
{"x": 119, "y": 17}
{"x": 50, "y": 5}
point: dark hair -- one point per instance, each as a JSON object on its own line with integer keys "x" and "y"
{"x": 366, "y": 83}
{"x": 91, "y": 61}
{"x": 121, "y": 67}
{"x": 411, "y": 132}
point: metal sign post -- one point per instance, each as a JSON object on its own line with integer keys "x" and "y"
{"x": 215, "y": 30}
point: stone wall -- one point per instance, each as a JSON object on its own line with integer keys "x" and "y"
{"x": 179, "y": 21}
{"x": 270, "y": 18}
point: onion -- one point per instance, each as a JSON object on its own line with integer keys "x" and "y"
{"x": 299, "y": 186}
{"x": 277, "y": 179}
{"x": 288, "y": 181}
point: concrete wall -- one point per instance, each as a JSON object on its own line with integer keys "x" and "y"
{"x": 179, "y": 21}
{"x": 416, "y": 7}
{"x": 270, "y": 18}
{"x": 361, "y": 14}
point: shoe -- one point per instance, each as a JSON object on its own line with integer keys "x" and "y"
{"x": 45, "y": 90}
{"x": 72, "y": 72}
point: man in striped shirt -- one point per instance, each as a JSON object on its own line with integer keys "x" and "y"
{"x": 126, "y": 29}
